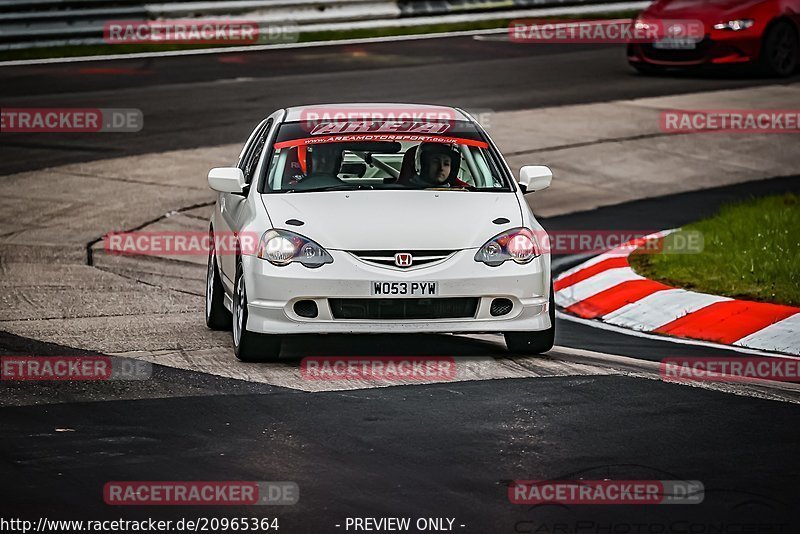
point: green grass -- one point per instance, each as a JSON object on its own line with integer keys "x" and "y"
{"x": 304, "y": 37}
{"x": 752, "y": 251}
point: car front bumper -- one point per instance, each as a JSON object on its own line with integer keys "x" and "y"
{"x": 272, "y": 292}
{"x": 720, "y": 48}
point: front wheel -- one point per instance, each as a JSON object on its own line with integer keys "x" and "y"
{"x": 780, "y": 50}
{"x": 250, "y": 346}
{"x": 534, "y": 342}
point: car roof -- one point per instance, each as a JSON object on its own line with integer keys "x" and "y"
{"x": 373, "y": 110}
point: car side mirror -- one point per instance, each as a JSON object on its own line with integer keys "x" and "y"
{"x": 535, "y": 178}
{"x": 226, "y": 180}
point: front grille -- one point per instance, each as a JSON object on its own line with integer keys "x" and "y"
{"x": 385, "y": 258}
{"x": 677, "y": 55}
{"x": 393, "y": 309}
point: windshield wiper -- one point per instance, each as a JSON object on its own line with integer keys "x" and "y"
{"x": 469, "y": 188}
{"x": 449, "y": 188}
{"x": 339, "y": 187}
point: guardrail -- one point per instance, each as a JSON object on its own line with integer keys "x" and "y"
{"x": 49, "y": 23}
{"x": 446, "y": 7}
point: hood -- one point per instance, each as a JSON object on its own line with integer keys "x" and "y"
{"x": 395, "y": 220}
{"x": 708, "y": 11}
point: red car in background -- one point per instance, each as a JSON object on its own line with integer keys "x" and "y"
{"x": 761, "y": 33}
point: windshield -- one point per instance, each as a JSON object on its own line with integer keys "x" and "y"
{"x": 342, "y": 155}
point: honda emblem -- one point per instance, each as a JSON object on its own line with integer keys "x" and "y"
{"x": 403, "y": 259}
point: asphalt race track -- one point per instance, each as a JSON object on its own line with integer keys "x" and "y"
{"x": 429, "y": 450}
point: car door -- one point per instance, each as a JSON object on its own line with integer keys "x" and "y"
{"x": 233, "y": 205}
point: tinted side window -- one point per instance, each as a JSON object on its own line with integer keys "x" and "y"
{"x": 249, "y": 161}
{"x": 251, "y": 139}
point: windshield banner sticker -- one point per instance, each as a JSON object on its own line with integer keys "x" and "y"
{"x": 327, "y": 128}
{"x": 381, "y": 137}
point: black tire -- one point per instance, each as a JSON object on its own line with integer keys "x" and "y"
{"x": 217, "y": 316}
{"x": 779, "y": 50}
{"x": 249, "y": 346}
{"x": 534, "y": 342}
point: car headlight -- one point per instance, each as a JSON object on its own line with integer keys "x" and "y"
{"x": 518, "y": 244}
{"x": 735, "y": 25}
{"x": 281, "y": 247}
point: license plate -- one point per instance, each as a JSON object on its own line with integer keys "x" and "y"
{"x": 675, "y": 44}
{"x": 403, "y": 289}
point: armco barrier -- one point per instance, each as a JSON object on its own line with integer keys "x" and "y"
{"x": 412, "y": 8}
{"x": 48, "y": 23}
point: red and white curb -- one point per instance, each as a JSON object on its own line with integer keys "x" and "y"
{"x": 606, "y": 289}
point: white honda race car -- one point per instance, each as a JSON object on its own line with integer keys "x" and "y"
{"x": 376, "y": 218}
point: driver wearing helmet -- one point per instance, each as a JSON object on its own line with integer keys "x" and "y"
{"x": 322, "y": 165}
{"x": 436, "y": 165}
